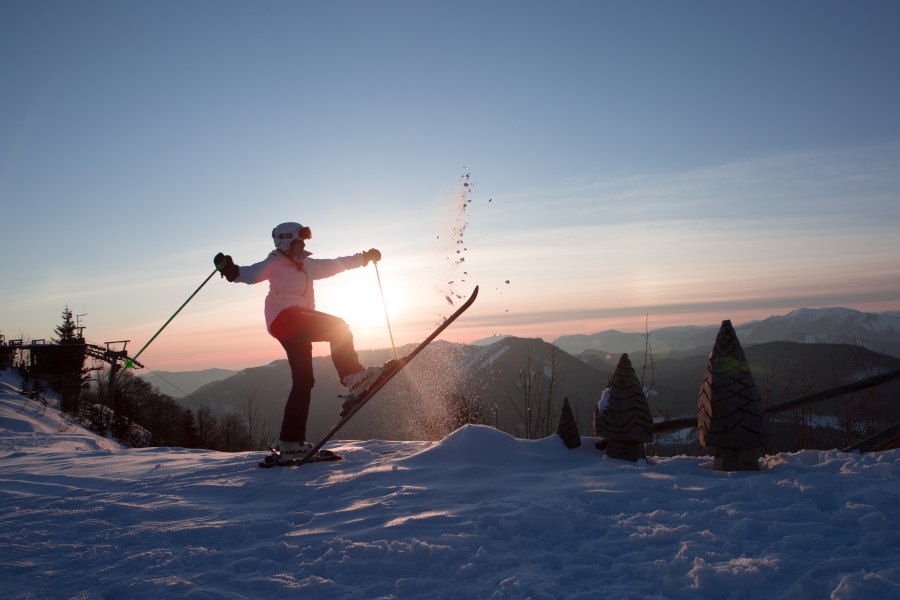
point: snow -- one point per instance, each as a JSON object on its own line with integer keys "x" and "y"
{"x": 603, "y": 404}
{"x": 489, "y": 355}
{"x": 478, "y": 514}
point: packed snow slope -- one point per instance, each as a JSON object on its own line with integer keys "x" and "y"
{"x": 477, "y": 515}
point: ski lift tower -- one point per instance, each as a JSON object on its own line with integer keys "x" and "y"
{"x": 112, "y": 354}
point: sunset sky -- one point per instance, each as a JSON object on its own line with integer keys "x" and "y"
{"x": 674, "y": 162}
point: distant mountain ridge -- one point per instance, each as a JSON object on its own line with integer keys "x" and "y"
{"x": 817, "y": 348}
{"x": 496, "y": 379}
{"x": 178, "y": 384}
{"x": 415, "y": 404}
{"x": 876, "y": 331}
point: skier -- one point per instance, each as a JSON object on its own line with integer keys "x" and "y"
{"x": 291, "y": 319}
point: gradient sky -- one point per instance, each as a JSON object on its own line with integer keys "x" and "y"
{"x": 679, "y": 162}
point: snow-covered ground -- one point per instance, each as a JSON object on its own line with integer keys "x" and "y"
{"x": 477, "y": 515}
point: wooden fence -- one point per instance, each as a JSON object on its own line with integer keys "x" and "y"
{"x": 884, "y": 440}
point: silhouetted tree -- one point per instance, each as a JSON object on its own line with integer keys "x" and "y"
{"x": 537, "y": 408}
{"x": 207, "y": 428}
{"x": 69, "y": 375}
{"x": 233, "y": 435}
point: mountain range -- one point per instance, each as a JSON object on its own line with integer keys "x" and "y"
{"x": 876, "y": 331}
{"x": 518, "y": 384}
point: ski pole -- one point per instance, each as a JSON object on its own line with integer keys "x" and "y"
{"x": 384, "y": 304}
{"x": 129, "y": 363}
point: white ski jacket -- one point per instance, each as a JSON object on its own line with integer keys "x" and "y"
{"x": 291, "y": 280}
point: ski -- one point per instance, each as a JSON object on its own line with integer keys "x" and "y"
{"x": 391, "y": 369}
{"x": 276, "y": 460}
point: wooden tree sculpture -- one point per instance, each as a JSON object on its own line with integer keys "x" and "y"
{"x": 731, "y": 414}
{"x": 625, "y": 419}
{"x": 567, "y": 428}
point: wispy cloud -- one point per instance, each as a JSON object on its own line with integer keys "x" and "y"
{"x": 857, "y": 183}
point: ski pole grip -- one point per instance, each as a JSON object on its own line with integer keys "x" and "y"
{"x": 219, "y": 261}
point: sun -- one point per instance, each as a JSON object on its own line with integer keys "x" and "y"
{"x": 355, "y": 297}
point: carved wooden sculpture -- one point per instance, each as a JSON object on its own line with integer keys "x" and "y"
{"x": 625, "y": 419}
{"x": 567, "y": 428}
{"x": 730, "y": 416}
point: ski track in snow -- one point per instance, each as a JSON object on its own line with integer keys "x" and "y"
{"x": 476, "y": 515}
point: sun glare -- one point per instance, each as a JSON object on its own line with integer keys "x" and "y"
{"x": 355, "y": 297}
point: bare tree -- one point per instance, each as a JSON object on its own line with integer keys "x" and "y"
{"x": 207, "y": 428}
{"x": 232, "y": 433}
{"x": 535, "y": 409}
{"x": 648, "y": 382}
{"x": 250, "y": 414}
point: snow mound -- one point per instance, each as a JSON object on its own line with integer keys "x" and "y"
{"x": 480, "y": 445}
{"x": 26, "y": 423}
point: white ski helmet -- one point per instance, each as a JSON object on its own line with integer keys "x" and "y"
{"x": 286, "y": 233}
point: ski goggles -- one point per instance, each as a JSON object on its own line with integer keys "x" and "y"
{"x": 303, "y": 233}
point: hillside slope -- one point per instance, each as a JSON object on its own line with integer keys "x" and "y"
{"x": 500, "y": 378}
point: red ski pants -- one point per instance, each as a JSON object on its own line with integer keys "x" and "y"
{"x": 297, "y": 329}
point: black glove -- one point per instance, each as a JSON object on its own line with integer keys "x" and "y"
{"x": 372, "y": 255}
{"x": 226, "y": 266}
